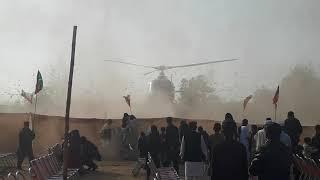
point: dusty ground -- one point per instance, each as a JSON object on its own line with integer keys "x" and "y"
{"x": 115, "y": 171}
{"x": 108, "y": 170}
{"x": 112, "y": 170}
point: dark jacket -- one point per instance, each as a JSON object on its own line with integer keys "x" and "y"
{"x": 272, "y": 162}
{"x": 154, "y": 144}
{"x": 214, "y": 140}
{"x": 142, "y": 146}
{"x": 316, "y": 141}
{"x": 172, "y": 137}
{"x": 26, "y": 136}
{"x": 229, "y": 161}
{"x": 294, "y": 129}
{"x": 193, "y": 152}
{"x": 89, "y": 151}
{"x": 205, "y": 136}
{"x": 163, "y": 142}
{"x": 183, "y": 130}
{"x": 74, "y": 160}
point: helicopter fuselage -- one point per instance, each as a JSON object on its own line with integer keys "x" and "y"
{"x": 162, "y": 87}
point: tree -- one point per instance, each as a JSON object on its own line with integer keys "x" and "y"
{"x": 195, "y": 91}
{"x": 196, "y": 95}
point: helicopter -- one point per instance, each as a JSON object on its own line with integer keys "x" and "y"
{"x": 162, "y": 86}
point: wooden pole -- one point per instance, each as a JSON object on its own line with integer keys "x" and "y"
{"x": 65, "y": 152}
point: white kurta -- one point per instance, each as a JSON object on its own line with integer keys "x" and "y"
{"x": 244, "y": 139}
{"x": 261, "y": 139}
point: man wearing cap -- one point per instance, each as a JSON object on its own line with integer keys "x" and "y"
{"x": 229, "y": 158}
{"x": 244, "y": 135}
{"x": 261, "y": 135}
{"x": 26, "y": 136}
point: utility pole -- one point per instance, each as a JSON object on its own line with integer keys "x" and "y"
{"x": 66, "y": 131}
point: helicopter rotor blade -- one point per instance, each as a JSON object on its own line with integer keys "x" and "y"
{"x": 122, "y": 62}
{"x": 199, "y": 64}
{"x": 150, "y": 72}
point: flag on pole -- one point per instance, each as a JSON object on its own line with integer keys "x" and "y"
{"x": 127, "y": 98}
{"x": 27, "y": 96}
{"x": 245, "y": 102}
{"x": 39, "y": 84}
{"x": 276, "y": 98}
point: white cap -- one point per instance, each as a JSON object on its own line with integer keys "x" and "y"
{"x": 268, "y": 121}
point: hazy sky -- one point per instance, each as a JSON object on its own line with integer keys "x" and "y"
{"x": 269, "y": 37}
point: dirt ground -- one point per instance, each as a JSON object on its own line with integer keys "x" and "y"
{"x": 115, "y": 171}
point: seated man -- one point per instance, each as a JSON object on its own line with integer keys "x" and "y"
{"x": 89, "y": 152}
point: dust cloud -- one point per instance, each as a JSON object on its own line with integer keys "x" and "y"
{"x": 269, "y": 41}
{"x": 298, "y": 92}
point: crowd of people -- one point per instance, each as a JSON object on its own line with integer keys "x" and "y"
{"x": 81, "y": 152}
{"x": 231, "y": 152}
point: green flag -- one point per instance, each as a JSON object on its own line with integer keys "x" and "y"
{"x": 39, "y": 84}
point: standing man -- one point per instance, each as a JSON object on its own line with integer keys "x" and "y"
{"x": 154, "y": 147}
{"x": 183, "y": 129}
{"x": 26, "y": 136}
{"x": 173, "y": 144}
{"x": 294, "y": 129}
{"x": 244, "y": 136}
{"x": 274, "y": 159}
{"x": 204, "y": 134}
{"x": 215, "y": 138}
{"x": 316, "y": 137}
{"x": 316, "y": 141}
{"x": 229, "y": 160}
{"x": 163, "y": 155}
{"x": 142, "y": 145}
{"x": 133, "y": 132}
{"x": 253, "y": 139}
{"x": 261, "y": 135}
{"x": 193, "y": 148}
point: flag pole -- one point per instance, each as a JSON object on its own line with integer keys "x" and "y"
{"x": 65, "y": 149}
{"x": 275, "y": 112}
{"x": 243, "y": 115}
{"x": 275, "y": 102}
{"x": 35, "y": 111}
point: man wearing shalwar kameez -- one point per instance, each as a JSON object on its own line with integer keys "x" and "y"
{"x": 194, "y": 151}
